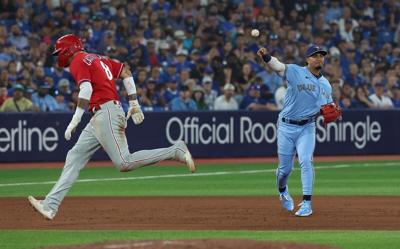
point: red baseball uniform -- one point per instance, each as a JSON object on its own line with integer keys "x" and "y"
{"x": 101, "y": 72}
{"x": 106, "y": 127}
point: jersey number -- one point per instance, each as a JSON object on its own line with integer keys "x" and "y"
{"x": 107, "y": 70}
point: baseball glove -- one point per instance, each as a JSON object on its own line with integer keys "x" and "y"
{"x": 331, "y": 112}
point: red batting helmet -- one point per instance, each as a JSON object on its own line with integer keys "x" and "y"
{"x": 65, "y": 47}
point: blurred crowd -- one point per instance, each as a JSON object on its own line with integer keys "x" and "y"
{"x": 199, "y": 54}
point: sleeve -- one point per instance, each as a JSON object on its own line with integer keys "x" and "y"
{"x": 329, "y": 97}
{"x": 80, "y": 72}
{"x": 288, "y": 74}
{"x": 116, "y": 67}
{"x": 326, "y": 95}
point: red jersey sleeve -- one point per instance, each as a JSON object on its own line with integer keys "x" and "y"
{"x": 80, "y": 71}
{"x": 116, "y": 67}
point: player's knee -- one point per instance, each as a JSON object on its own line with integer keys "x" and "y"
{"x": 285, "y": 167}
{"x": 121, "y": 165}
{"x": 282, "y": 172}
{"x": 306, "y": 162}
{"x": 72, "y": 154}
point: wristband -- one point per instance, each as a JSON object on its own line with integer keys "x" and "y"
{"x": 76, "y": 118}
{"x": 134, "y": 103}
{"x": 266, "y": 58}
{"x": 129, "y": 84}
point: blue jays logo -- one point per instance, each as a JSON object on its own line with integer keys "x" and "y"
{"x": 324, "y": 93}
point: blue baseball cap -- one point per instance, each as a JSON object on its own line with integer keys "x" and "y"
{"x": 18, "y": 87}
{"x": 314, "y": 49}
{"x": 273, "y": 37}
{"x": 44, "y": 86}
{"x": 173, "y": 79}
{"x": 255, "y": 87}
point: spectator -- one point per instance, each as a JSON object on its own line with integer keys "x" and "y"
{"x": 28, "y": 94}
{"x": 18, "y": 103}
{"x": 151, "y": 97}
{"x": 361, "y": 99}
{"x": 209, "y": 40}
{"x": 123, "y": 94}
{"x": 354, "y": 78}
{"x": 172, "y": 89}
{"x": 345, "y": 103}
{"x": 379, "y": 100}
{"x": 43, "y": 99}
{"x": 64, "y": 89}
{"x": 62, "y": 105}
{"x": 347, "y": 91}
{"x": 391, "y": 85}
{"x": 57, "y": 73}
{"x": 74, "y": 99}
{"x": 226, "y": 101}
{"x": 13, "y": 76}
{"x": 253, "y": 101}
{"x": 246, "y": 77}
{"x": 198, "y": 97}
{"x": 3, "y": 94}
{"x": 17, "y": 39}
{"x": 141, "y": 77}
{"x": 183, "y": 102}
{"x": 347, "y": 20}
{"x": 334, "y": 11}
{"x": 271, "y": 79}
{"x": 347, "y": 32}
{"x": 396, "y": 97}
{"x": 209, "y": 94}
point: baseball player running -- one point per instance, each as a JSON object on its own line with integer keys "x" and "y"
{"x": 308, "y": 94}
{"x": 95, "y": 75}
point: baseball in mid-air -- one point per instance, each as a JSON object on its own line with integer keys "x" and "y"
{"x": 255, "y": 32}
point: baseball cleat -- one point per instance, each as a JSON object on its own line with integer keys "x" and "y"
{"x": 305, "y": 209}
{"x": 286, "y": 200}
{"x": 187, "y": 157}
{"x": 38, "y": 207}
{"x": 190, "y": 162}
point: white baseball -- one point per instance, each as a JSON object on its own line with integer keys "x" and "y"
{"x": 255, "y": 32}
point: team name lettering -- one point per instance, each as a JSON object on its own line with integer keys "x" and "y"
{"x": 306, "y": 87}
{"x": 89, "y": 58}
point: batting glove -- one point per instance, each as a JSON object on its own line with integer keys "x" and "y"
{"x": 68, "y": 132}
{"x": 76, "y": 118}
{"x": 135, "y": 111}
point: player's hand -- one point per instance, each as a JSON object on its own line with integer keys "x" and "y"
{"x": 261, "y": 52}
{"x": 68, "y": 132}
{"x": 135, "y": 111}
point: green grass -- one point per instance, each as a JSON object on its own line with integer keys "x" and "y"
{"x": 341, "y": 178}
{"x": 340, "y": 239}
{"x": 381, "y": 178}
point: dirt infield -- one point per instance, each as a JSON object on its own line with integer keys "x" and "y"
{"x": 204, "y": 213}
{"x": 196, "y": 244}
{"x": 199, "y": 161}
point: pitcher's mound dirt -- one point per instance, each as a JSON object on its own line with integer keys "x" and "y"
{"x": 195, "y": 244}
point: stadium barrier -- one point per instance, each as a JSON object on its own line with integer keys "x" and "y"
{"x": 33, "y": 137}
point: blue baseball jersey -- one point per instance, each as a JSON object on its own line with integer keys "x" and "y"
{"x": 305, "y": 93}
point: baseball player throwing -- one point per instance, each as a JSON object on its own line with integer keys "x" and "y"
{"x": 308, "y": 94}
{"x": 95, "y": 76}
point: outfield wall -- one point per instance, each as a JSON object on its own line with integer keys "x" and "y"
{"x": 40, "y": 137}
